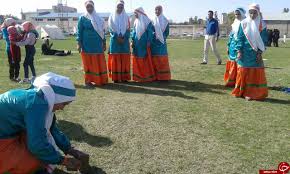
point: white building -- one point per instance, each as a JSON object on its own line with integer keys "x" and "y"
{"x": 280, "y": 22}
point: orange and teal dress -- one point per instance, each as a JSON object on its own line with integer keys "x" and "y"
{"x": 251, "y": 79}
{"x": 93, "y": 57}
{"x": 231, "y": 66}
{"x": 143, "y": 70}
{"x": 160, "y": 57}
{"x": 119, "y": 61}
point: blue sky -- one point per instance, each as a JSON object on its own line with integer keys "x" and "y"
{"x": 178, "y": 10}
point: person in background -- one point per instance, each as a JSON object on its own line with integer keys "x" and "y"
{"x": 142, "y": 35}
{"x": 270, "y": 37}
{"x": 30, "y": 39}
{"x": 15, "y": 36}
{"x": 231, "y": 66}
{"x": 119, "y": 51}
{"x": 211, "y": 37}
{"x": 159, "y": 46}
{"x": 29, "y": 136}
{"x": 7, "y": 23}
{"x": 92, "y": 44}
{"x": 46, "y": 49}
{"x": 276, "y": 37}
{"x": 251, "y": 80}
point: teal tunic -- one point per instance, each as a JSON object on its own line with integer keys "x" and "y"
{"x": 90, "y": 40}
{"x": 115, "y": 47}
{"x": 25, "y": 111}
{"x": 158, "y": 48}
{"x": 140, "y": 46}
{"x": 6, "y": 38}
{"x": 249, "y": 55}
{"x": 232, "y": 47}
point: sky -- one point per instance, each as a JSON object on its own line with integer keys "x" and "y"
{"x": 177, "y": 10}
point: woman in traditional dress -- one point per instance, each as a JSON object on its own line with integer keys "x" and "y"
{"x": 92, "y": 44}
{"x": 159, "y": 46}
{"x": 231, "y": 66}
{"x": 119, "y": 51}
{"x": 251, "y": 80}
{"x": 29, "y": 137}
{"x": 142, "y": 35}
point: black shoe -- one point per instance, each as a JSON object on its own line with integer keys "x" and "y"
{"x": 219, "y": 63}
{"x": 203, "y": 63}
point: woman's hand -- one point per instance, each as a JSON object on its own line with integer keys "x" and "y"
{"x": 71, "y": 164}
{"x": 259, "y": 57}
{"x": 239, "y": 55}
{"x": 79, "y": 47}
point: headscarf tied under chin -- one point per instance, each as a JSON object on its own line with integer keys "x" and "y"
{"x": 28, "y": 26}
{"x": 252, "y": 29}
{"x": 141, "y": 23}
{"x": 8, "y": 22}
{"x": 56, "y": 89}
{"x": 119, "y": 23}
{"x": 97, "y": 22}
{"x": 237, "y": 22}
{"x": 160, "y": 23}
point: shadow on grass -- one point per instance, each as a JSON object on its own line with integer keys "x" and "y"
{"x": 94, "y": 170}
{"x": 77, "y": 133}
{"x": 277, "y": 101}
{"x": 129, "y": 88}
{"x": 273, "y": 68}
{"x": 83, "y": 87}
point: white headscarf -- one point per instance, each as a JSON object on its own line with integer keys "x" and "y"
{"x": 141, "y": 23}
{"x": 119, "y": 23}
{"x": 252, "y": 29}
{"x": 97, "y": 22}
{"x": 8, "y": 22}
{"x": 237, "y": 22}
{"x": 160, "y": 23}
{"x": 57, "y": 89}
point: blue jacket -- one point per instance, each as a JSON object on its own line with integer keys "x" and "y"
{"x": 115, "y": 47}
{"x": 157, "y": 48}
{"x": 90, "y": 40}
{"x": 6, "y": 38}
{"x": 140, "y": 46}
{"x": 25, "y": 111}
{"x": 249, "y": 55}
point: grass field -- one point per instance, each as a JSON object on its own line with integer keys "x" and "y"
{"x": 191, "y": 125}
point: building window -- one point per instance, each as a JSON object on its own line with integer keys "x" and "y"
{"x": 63, "y": 19}
{"x": 38, "y": 19}
{"x": 50, "y": 19}
{"x": 75, "y": 19}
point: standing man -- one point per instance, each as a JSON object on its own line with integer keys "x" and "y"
{"x": 211, "y": 37}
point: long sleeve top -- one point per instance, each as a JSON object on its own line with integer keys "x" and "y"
{"x": 158, "y": 48}
{"x": 25, "y": 111}
{"x": 89, "y": 39}
{"x": 140, "y": 45}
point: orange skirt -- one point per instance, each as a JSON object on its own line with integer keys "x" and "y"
{"x": 143, "y": 70}
{"x": 231, "y": 73}
{"x": 95, "y": 68}
{"x": 161, "y": 67}
{"x": 252, "y": 83}
{"x": 15, "y": 157}
{"x": 119, "y": 67}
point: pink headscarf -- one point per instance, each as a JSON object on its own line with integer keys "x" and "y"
{"x": 28, "y": 26}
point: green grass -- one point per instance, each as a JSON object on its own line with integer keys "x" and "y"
{"x": 191, "y": 125}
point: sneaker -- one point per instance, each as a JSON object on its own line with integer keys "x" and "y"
{"x": 219, "y": 62}
{"x": 17, "y": 80}
{"x": 203, "y": 63}
{"x": 25, "y": 81}
{"x": 32, "y": 78}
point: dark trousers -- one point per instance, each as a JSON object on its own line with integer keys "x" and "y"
{"x": 29, "y": 61}
{"x": 14, "y": 66}
{"x": 276, "y": 44}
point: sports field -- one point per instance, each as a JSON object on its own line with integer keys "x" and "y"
{"x": 191, "y": 125}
